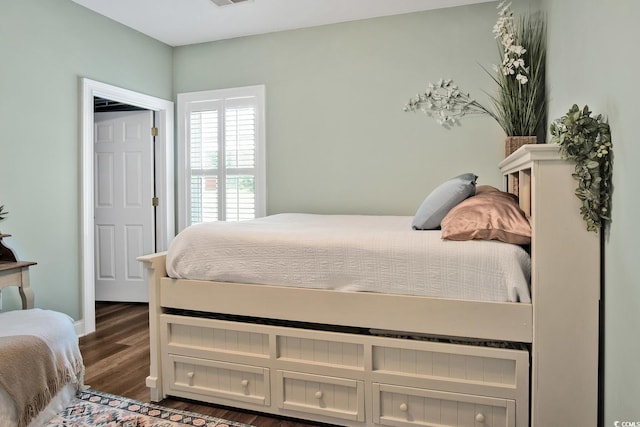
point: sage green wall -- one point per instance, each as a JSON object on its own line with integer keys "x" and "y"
{"x": 337, "y": 138}
{"x": 592, "y": 61}
{"x": 46, "y": 46}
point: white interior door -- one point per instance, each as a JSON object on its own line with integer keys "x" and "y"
{"x": 124, "y": 215}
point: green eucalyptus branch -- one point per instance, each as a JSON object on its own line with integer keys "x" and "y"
{"x": 446, "y": 103}
{"x": 587, "y": 141}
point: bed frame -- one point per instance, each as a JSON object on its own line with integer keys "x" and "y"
{"x": 546, "y": 373}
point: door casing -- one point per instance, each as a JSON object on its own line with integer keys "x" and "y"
{"x": 164, "y": 177}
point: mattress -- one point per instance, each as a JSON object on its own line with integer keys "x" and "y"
{"x": 352, "y": 253}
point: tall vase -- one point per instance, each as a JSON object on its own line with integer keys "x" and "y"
{"x": 512, "y": 143}
{"x": 6, "y": 254}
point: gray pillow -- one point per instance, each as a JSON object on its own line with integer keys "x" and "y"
{"x": 442, "y": 199}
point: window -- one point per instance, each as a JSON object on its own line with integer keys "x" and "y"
{"x": 221, "y": 140}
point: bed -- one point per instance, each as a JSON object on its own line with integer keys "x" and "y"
{"x": 359, "y": 357}
{"x": 42, "y": 366}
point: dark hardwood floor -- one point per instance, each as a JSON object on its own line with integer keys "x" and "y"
{"x": 116, "y": 359}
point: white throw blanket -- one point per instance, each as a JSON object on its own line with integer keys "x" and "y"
{"x": 54, "y": 350}
{"x": 350, "y": 253}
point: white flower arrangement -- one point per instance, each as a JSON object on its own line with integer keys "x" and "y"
{"x": 519, "y": 107}
{"x": 512, "y": 61}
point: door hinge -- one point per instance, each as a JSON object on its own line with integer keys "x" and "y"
{"x": 155, "y": 201}
{"x": 154, "y": 131}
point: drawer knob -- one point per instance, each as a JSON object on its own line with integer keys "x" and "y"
{"x": 190, "y": 376}
{"x": 479, "y": 417}
{"x": 404, "y": 407}
{"x": 318, "y": 395}
{"x": 244, "y": 383}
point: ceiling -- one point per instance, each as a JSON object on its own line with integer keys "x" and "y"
{"x": 101, "y": 105}
{"x": 182, "y": 22}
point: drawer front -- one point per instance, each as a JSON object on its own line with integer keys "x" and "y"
{"x": 449, "y": 366}
{"x": 321, "y": 395}
{"x": 320, "y": 351}
{"x": 406, "y": 406}
{"x": 212, "y": 378}
{"x": 208, "y": 337}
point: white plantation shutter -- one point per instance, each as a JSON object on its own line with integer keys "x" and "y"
{"x": 240, "y": 159}
{"x": 224, "y": 148}
{"x": 204, "y": 165}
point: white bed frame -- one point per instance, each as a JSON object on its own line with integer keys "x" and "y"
{"x": 356, "y": 379}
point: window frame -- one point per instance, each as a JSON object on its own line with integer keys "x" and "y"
{"x": 185, "y": 102}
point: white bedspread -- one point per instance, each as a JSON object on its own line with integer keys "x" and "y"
{"x": 350, "y": 253}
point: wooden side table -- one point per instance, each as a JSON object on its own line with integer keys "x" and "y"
{"x": 15, "y": 273}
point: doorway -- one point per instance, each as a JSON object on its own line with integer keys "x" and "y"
{"x": 124, "y": 225}
{"x": 162, "y": 174}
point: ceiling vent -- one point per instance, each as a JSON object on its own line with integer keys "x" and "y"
{"x": 229, "y": 2}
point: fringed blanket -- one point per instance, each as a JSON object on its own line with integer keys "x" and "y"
{"x": 40, "y": 355}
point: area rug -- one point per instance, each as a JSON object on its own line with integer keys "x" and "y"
{"x": 92, "y": 408}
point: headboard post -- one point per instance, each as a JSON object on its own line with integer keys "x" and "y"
{"x": 565, "y": 288}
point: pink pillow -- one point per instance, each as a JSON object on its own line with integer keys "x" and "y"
{"x": 489, "y": 215}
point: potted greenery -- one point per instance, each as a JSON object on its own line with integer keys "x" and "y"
{"x": 519, "y": 106}
{"x": 587, "y": 141}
